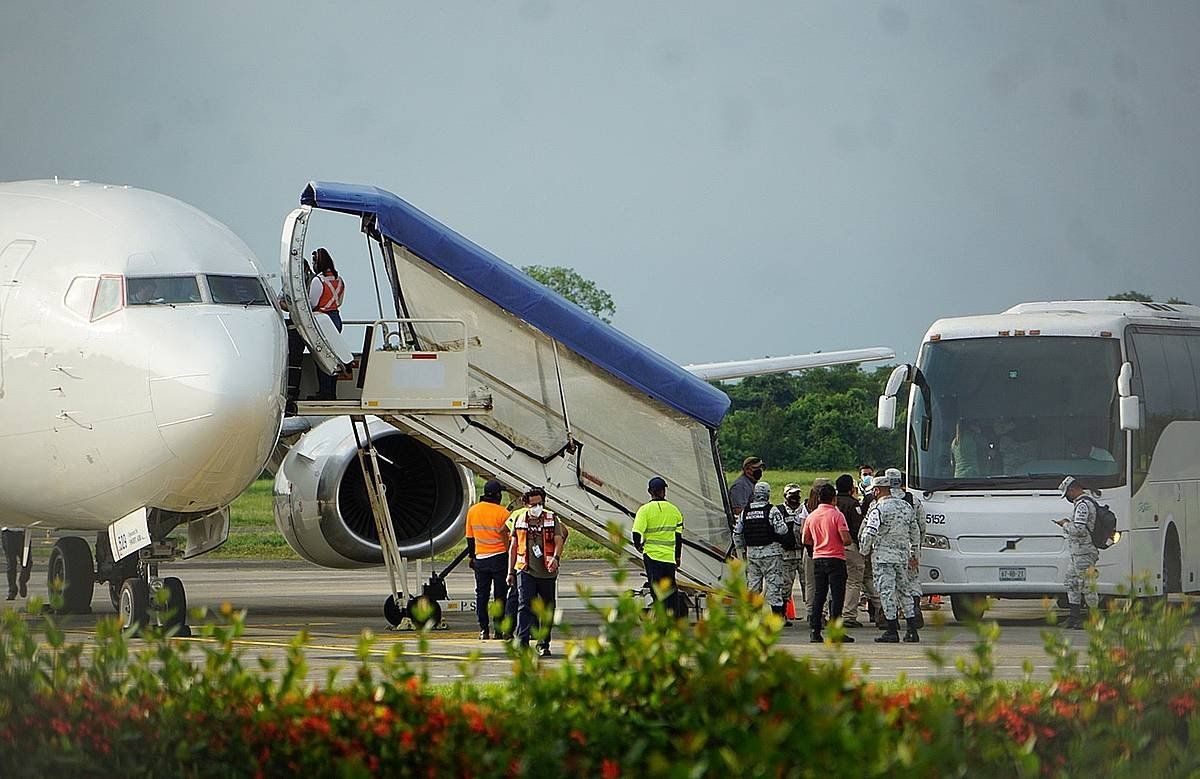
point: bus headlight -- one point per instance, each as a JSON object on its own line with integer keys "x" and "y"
{"x": 935, "y": 542}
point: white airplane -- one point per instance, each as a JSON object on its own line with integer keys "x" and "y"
{"x": 141, "y": 389}
{"x": 141, "y": 382}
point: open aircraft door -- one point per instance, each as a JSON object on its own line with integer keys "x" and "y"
{"x": 328, "y": 348}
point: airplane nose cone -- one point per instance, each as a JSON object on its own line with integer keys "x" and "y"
{"x": 216, "y": 390}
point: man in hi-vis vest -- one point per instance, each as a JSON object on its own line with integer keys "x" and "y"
{"x": 533, "y": 558}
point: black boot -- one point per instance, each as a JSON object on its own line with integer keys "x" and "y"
{"x": 1075, "y": 621}
{"x": 814, "y": 625}
{"x": 917, "y": 606}
{"x": 892, "y": 634}
{"x": 910, "y": 636}
{"x": 12, "y": 594}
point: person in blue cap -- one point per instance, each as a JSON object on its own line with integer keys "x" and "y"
{"x": 658, "y": 535}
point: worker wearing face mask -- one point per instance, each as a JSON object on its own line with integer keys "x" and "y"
{"x": 534, "y": 554}
{"x": 741, "y": 492}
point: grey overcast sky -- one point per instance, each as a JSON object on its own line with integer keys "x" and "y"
{"x": 745, "y": 178}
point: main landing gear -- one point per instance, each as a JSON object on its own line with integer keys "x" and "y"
{"x": 133, "y": 583}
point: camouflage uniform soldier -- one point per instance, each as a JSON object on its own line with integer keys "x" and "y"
{"x": 756, "y": 534}
{"x": 912, "y": 576}
{"x": 1084, "y": 554}
{"x": 793, "y": 553}
{"x": 891, "y": 538}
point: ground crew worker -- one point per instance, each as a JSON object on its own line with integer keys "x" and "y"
{"x": 1084, "y": 554}
{"x": 826, "y": 530}
{"x": 912, "y": 576}
{"x": 534, "y": 554}
{"x": 855, "y": 565}
{"x": 890, "y": 537}
{"x": 741, "y": 492}
{"x": 14, "y": 550}
{"x": 487, "y": 548}
{"x": 756, "y": 535}
{"x": 510, "y": 603}
{"x": 793, "y": 551}
{"x": 658, "y": 535}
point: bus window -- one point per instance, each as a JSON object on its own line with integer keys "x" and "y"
{"x": 1017, "y": 412}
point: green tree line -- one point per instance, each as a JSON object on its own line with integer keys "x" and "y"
{"x": 818, "y": 419}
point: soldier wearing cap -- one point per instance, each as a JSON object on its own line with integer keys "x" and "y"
{"x": 1084, "y": 554}
{"x": 658, "y": 535}
{"x": 912, "y": 576}
{"x": 793, "y": 550}
{"x": 742, "y": 489}
{"x": 756, "y": 537}
{"x": 891, "y": 538}
{"x": 487, "y": 548}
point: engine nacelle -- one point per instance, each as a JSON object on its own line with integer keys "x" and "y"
{"x": 321, "y": 504}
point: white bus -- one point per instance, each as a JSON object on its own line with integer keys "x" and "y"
{"x": 1003, "y": 406}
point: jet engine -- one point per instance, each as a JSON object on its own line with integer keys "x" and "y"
{"x": 321, "y": 503}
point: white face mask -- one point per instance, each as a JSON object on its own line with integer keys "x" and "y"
{"x": 535, "y": 511}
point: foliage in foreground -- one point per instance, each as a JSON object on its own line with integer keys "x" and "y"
{"x": 644, "y": 697}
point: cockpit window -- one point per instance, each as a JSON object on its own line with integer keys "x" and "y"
{"x": 239, "y": 290}
{"x": 109, "y": 297}
{"x": 161, "y": 290}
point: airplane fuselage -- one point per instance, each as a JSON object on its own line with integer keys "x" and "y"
{"x": 131, "y": 374}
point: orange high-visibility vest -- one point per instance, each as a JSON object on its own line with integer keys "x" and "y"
{"x": 332, "y": 290}
{"x": 485, "y": 523}
{"x": 522, "y": 530}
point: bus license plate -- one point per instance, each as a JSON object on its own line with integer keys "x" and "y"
{"x": 1012, "y": 574}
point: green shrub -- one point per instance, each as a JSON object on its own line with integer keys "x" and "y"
{"x": 646, "y": 696}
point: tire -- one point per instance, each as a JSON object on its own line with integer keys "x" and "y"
{"x": 424, "y": 611}
{"x": 392, "y": 612}
{"x": 968, "y": 609}
{"x": 71, "y": 568}
{"x": 172, "y": 614}
{"x": 135, "y": 604}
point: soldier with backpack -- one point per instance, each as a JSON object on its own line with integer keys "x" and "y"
{"x": 793, "y": 552}
{"x": 1084, "y": 551}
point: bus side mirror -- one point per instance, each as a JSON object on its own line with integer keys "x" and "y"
{"x": 1131, "y": 413}
{"x": 886, "y": 418}
{"x": 1129, "y": 410}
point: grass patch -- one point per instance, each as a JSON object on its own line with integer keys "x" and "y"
{"x": 253, "y": 535}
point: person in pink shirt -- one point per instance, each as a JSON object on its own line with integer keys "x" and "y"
{"x": 826, "y": 530}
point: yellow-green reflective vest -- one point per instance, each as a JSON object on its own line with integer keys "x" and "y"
{"x": 658, "y": 521}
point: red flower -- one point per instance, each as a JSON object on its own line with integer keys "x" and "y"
{"x": 610, "y": 769}
{"x": 1183, "y": 705}
{"x": 579, "y": 738}
{"x": 764, "y": 703}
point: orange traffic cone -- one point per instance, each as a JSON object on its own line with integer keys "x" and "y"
{"x": 790, "y": 612}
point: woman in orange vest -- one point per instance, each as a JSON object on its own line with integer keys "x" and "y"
{"x": 325, "y": 293}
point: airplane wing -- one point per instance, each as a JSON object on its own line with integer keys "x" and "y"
{"x": 737, "y": 369}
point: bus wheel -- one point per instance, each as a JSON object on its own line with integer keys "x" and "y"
{"x": 968, "y": 609}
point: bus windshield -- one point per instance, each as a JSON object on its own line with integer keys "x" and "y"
{"x": 1016, "y": 412}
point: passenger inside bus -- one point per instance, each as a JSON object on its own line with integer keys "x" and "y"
{"x": 964, "y": 449}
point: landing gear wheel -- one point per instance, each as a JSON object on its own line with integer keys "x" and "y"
{"x": 392, "y": 612}
{"x": 173, "y": 614}
{"x": 135, "y": 604}
{"x": 71, "y": 569}
{"x": 424, "y": 611}
{"x": 968, "y": 609}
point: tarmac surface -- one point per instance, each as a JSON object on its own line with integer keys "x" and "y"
{"x": 282, "y": 598}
